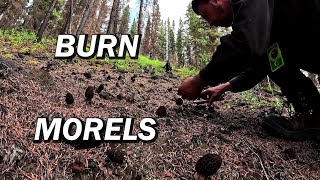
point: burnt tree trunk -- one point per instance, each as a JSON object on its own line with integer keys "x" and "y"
{"x": 84, "y": 17}
{"x": 3, "y": 7}
{"x": 140, "y": 18}
{"x": 112, "y": 27}
{"x": 45, "y": 21}
{"x": 67, "y": 26}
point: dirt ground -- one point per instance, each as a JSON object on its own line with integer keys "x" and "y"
{"x": 231, "y": 129}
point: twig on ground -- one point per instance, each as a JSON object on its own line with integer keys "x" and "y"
{"x": 260, "y": 160}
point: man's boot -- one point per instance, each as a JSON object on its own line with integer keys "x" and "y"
{"x": 305, "y": 124}
{"x": 299, "y": 127}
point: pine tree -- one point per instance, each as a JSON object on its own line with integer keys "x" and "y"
{"x": 79, "y": 6}
{"x": 162, "y": 41}
{"x": 44, "y": 24}
{"x": 3, "y": 6}
{"x": 66, "y": 29}
{"x": 56, "y": 20}
{"x": 102, "y": 16}
{"x": 179, "y": 44}
{"x": 84, "y": 17}
{"x": 202, "y": 40}
{"x": 11, "y": 11}
{"x": 155, "y": 29}
{"x": 112, "y": 27}
{"x": 140, "y": 17}
{"x": 146, "y": 44}
{"x": 134, "y": 28}
{"x": 171, "y": 40}
{"x": 37, "y": 12}
{"x": 124, "y": 21}
{"x": 90, "y": 25}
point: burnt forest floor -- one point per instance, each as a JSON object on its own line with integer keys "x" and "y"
{"x": 231, "y": 129}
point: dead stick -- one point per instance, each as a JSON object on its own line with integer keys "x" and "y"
{"x": 261, "y": 163}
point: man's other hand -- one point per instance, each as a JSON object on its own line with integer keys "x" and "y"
{"x": 215, "y": 93}
{"x": 191, "y": 88}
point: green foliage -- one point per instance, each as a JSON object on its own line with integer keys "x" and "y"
{"x": 249, "y": 96}
{"x": 162, "y": 41}
{"x": 124, "y": 21}
{"x": 262, "y": 103}
{"x": 144, "y": 64}
{"x": 33, "y": 62}
{"x": 25, "y": 50}
{"x": 272, "y": 90}
{"x": 134, "y": 28}
{"x": 186, "y": 71}
{"x": 171, "y": 39}
{"x": 229, "y": 105}
{"x": 246, "y": 95}
{"x": 201, "y": 39}
{"x": 179, "y": 44}
{"x": 57, "y": 15}
{"x": 277, "y": 103}
{"x": 8, "y": 55}
{"x": 61, "y": 2}
{"x": 17, "y": 37}
{"x": 25, "y": 42}
{"x": 144, "y": 61}
{"x": 146, "y": 45}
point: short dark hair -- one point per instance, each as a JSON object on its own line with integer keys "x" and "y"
{"x": 195, "y": 4}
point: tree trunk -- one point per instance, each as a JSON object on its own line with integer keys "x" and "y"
{"x": 67, "y": 26}
{"x": 3, "y": 7}
{"x": 84, "y": 17}
{"x": 98, "y": 25}
{"x": 112, "y": 27}
{"x": 140, "y": 18}
{"x": 45, "y": 21}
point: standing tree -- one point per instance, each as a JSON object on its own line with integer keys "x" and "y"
{"x": 67, "y": 26}
{"x": 36, "y": 15}
{"x": 179, "y": 44}
{"x": 162, "y": 41}
{"x": 84, "y": 17}
{"x": 3, "y": 6}
{"x": 134, "y": 27}
{"x": 156, "y": 17}
{"x": 44, "y": 24}
{"x": 101, "y": 13}
{"x": 89, "y": 27}
{"x": 10, "y": 12}
{"x": 124, "y": 21}
{"x": 79, "y": 6}
{"x": 146, "y": 44}
{"x": 171, "y": 41}
{"x": 140, "y": 17}
{"x": 112, "y": 27}
{"x": 202, "y": 40}
{"x": 100, "y": 26}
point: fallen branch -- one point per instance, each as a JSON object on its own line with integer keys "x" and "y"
{"x": 260, "y": 160}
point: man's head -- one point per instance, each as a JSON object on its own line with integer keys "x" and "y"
{"x": 216, "y": 12}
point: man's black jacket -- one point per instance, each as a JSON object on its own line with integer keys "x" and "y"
{"x": 257, "y": 25}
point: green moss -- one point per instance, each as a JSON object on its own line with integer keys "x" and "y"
{"x": 8, "y": 55}
{"x": 33, "y": 62}
{"x": 25, "y": 50}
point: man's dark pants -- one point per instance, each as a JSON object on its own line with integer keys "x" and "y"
{"x": 299, "y": 89}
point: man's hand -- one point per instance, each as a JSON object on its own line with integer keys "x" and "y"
{"x": 215, "y": 93}
{"x": 191, "y": 88}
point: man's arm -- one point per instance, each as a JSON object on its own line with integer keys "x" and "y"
{"x": 247, "y": 79}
